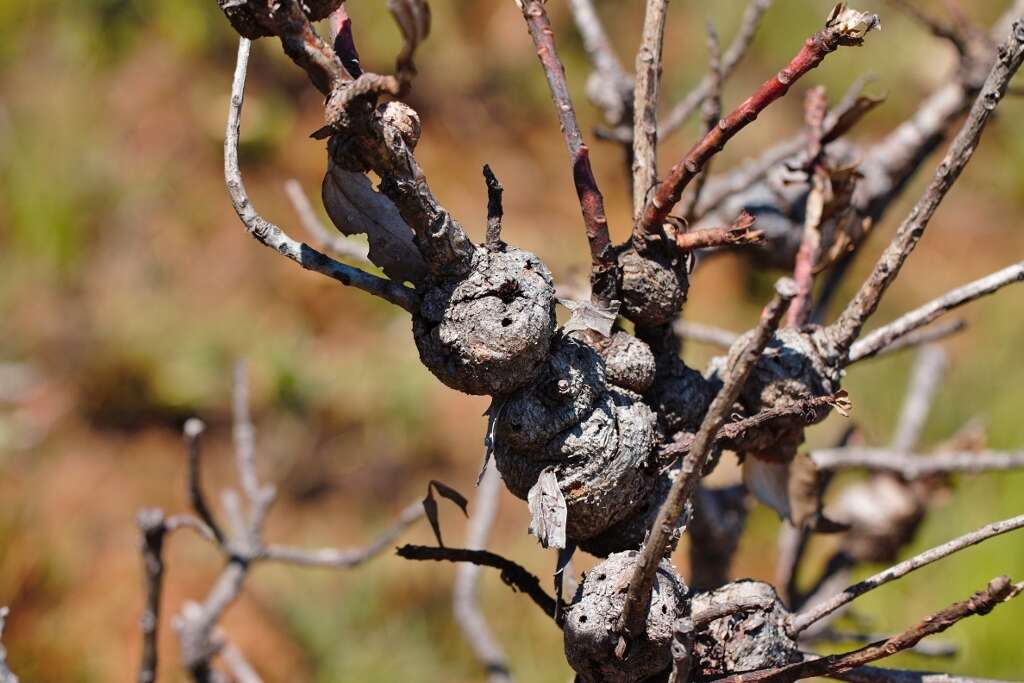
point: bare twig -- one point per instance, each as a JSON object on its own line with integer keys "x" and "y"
{"x": 714, "y": 611}
{"x": 241, "y": 669}
{"x": 733, "y": 434}
{"x": 346, "y": 558}
{"x": 609, "y": 87}
{"x": 645, "y": 103}
{"x": 465, "y": 595}
{"x": 153, "y": 530}
{"x": 799, "y": 622}
{"x": 837, "y": 32}
{"x": 925, "y": 379}
{"x": 705, "y": 334}
{"x": 914, "y": 339}
{"x": 999, "y": 590}
{"x": 738, "y": 234}
{"x": 512, "y": 574}
{"x": 271, "y": 235}
{"x": 711, "y": 112}
{"x": 872, "y": 674}
{"x": 495, "y": 211}
{"x": 887, "y": 335}
{"x": 192, "y": 431}
{"x": 744, "y": 37}
{"x": 914, "y": 465}
{"x": 591, "y": 200}
{"x": 924, "y": 648}
{"x": 850, "y": 323}
{"x": 938, "y": 28}
{"x": 6, "y": 676}
{"x": 333, "y": 243}
{"x": 639, "y": 594}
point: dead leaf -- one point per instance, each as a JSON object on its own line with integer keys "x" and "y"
{"x": 356, "y": 208}
{"x": 587, "y": 315}
{"x": 430, "y": 504}
{"x": 547, "y": 510}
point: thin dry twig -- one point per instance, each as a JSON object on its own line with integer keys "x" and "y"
{"x": 705, "y": 334}
{"x": 711, "y": 112}
{"x": 466, "y": 591}
{"x": 873, "y": 674}
{"x": 639, "y": 593}
{"x": 514, "y": 575}
{"x": 850, "y": 323}
{"x": 609, "y": 87}
{"x": 153, "y": 530}
{"x": 888, "y": 335}
{"x": 925, "y": 380}
{"x": 920, "y": 337}
{"x": 334, "y": 243}
{"x": 346, "y": 558}
{"x": 6, "y": 676}
{"x": 909, "y": 465}
{"x": 274, "y": 237}
{"x": 800, "y": 621}
{"x": 192, "y": 432}
{"x": 645, "y": 103}
{"x": 495, "y": 210}
{"x": 837, "y": 32}
{"x": 999, "y": 590}
{"x": 591, "y": 200}
{"x": 730, "y": 59}
{"x": 740, "y": 233}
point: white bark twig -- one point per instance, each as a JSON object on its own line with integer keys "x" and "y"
{"x": 705, "y": 334}
{"x": 926, "y": 377}
{"x": 845, "y": 331}
{"x": 6, "y": 676}
{"x": 730, "y": 59}
{"x": 274, "y": 237}
{"x": 800, "y": 621}
{"x": 346, "y": 558}
{"x": 915, "y": 465}
{"x": 332, "y": 242}
{"x": 888, "y": 335}
{"x": 645, "y": 103}
{"x": 466, "y": 591}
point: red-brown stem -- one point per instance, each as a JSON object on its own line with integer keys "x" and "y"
{"x": 738, "y": 233}
{"x": 591, "y": 200}
{"x": 668, "y": 193}
{"x": 815, "y": 109}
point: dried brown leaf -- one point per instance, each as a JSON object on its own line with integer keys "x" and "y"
{"x": 356, "y": 209}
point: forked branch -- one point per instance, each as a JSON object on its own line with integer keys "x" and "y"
{"x": 847, "y": 328}
{"x": 799, "y": 622}
{"x": 638, "y": 596}
{"x": 274, "y": 237}
{"x": 591, "y": 200}
{"x": 844, "y": 27}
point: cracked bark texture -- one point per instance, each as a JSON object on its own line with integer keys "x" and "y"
{"x": 487, "y": 332}
{"x": 596, "y": 437}
{"x": 743, "y": 641}
{"x": 590, "y": 623}
{"x": 792, "y": 369}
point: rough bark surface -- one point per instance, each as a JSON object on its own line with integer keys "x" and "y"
{"x": 488, "y": 332}
{"x": 597, "y": 438}
{"x": 590, "y": 623}
{"x": 746, "y": 640}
